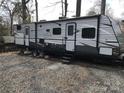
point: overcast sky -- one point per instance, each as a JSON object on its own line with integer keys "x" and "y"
{"x": 51, "y": 13}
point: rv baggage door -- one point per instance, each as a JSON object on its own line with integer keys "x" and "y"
{"x": 70, "y": 36}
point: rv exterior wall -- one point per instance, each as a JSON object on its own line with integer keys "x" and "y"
{"x": 107, "y": 36}
{"x": 85, "y": 36}
{"x": 83, "y": 23}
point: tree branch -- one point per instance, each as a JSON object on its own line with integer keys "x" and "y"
{"x": 27, "y": 1}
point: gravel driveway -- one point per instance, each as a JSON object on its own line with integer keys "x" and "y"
{"x": 25, "y": 74}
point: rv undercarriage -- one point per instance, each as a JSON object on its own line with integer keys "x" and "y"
{"x": 50, "y": 51}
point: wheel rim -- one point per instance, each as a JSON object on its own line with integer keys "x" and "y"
{"x": 34, "y": 53}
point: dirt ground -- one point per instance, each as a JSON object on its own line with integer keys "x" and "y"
{"x": 25, "y": 74}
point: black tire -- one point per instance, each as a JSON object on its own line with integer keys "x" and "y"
{"x": 46, "y": 56}
{"x": 123, "y": 59}
{"x": 21, "y": 52}
{"x": 34, "y": 53}
{"x": 41, "y": 54}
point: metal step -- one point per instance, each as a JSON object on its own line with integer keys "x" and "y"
{"x": 69, "y": 54}
{"x": 67, "y": 57}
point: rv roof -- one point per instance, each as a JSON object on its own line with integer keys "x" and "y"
{"x": 68, "y": 19}
{"x": 85, "y": 17}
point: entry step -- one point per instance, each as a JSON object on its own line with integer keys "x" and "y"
{"x": 66, "y": 58}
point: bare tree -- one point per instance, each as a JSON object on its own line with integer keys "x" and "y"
{"x": 96, "y": 9}
{"x": 9, "y": 10}
{"x": 103, "y": 7}
{"x": 14, "y": 10}
{"x": 64, "y": 6}
{"x": 19, "y": 12}
{"x": 3, "y": 27}
{"x": 24, "y": 9}
{"x": 36, "y": 6}
{"x": 78, "y": 8}
{"x": 91, "y": 13}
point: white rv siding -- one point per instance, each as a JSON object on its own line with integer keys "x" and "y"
{"x": 48, "y": 36}
{"x": 19, "y": 38}
{"x": 20, "y": 35}
{"x": 102, "y": 36}
{"x": 106, "y": 33}
{"x": 32, "y": 32}
{"x": 59, "y": 39}
{"x": 86, "y": 23}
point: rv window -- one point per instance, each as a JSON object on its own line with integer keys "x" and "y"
{"x": 56, "y": 31}
{"x": 18, "y": 27}
{"x": 70, "y": 30}
{"x": 27, "y": 30}
{"x": 88, "y": 33}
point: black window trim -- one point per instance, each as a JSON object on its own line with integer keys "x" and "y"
{"x": 71, "y": 34}
{"x": 27, "y": 30}
{"x": 90, "y": 36}
{"x": 19, "y": 27}
{"x": 57, "y": 33}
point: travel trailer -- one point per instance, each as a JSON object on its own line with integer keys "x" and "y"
{"x": 91, "y": 35}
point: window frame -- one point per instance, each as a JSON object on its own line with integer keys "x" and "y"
{"x": 27, "y": 30}
{"x": 72, "y": 33}
{"x": 91, "y": 35}
{"x": 53, "y": 31}
{"x": 19, "y": 27}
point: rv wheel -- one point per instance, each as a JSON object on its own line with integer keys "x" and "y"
{"x": 34, "y": 53}
{"x": 41, "y": 54}
{"x": 46, "y": 56}
{"x": 21, "y": 52}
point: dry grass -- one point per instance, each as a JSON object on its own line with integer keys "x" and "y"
{"x": 8, "y": 53}
{"x": 24, "y": 74}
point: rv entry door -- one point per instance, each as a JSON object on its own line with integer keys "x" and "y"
{"x": 27, "y": 31}
{"x": 70, "y": 36}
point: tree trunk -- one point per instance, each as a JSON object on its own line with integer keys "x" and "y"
{"x": 66, "y": 7}
{"x": 11, "y": 25}
{"x": 78, "y": 8}
{"x": 36, "y": 5}
{"x": 103, "y": 6}
{"x": 62, "y": 8}
{"x": 24, "y": 11}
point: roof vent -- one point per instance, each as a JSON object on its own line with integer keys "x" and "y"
{"x": 60, "y": 18}
{"x": 43, "y": 20}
